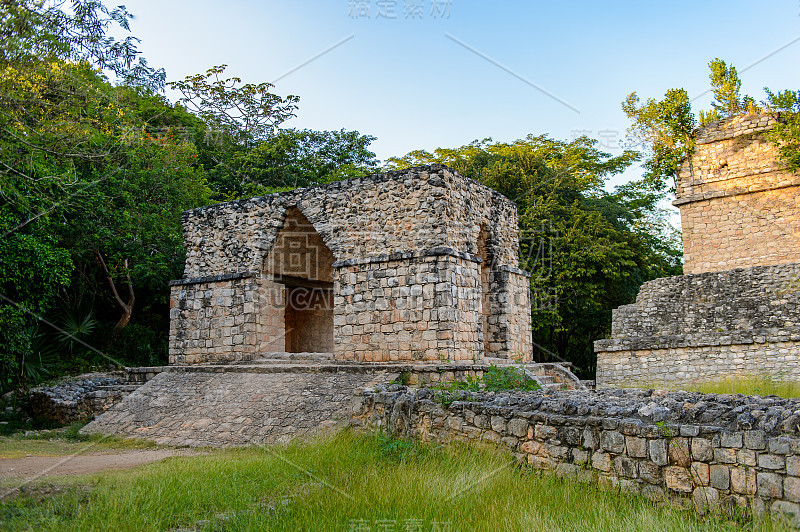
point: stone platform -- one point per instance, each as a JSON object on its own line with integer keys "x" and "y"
{"x": 742, "y": 323}
{"x": 271, "y": 399}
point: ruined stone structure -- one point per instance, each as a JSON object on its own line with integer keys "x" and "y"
{"x": 737, "y": 311}
{"x": 722, "y": 452}
{"x": 739, "y": 205}
{"x": 412, "y": 265}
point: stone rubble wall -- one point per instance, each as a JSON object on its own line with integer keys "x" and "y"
{"x": 720, "y": 452}
{"x": 739, "y": 205}
{"x": 715, "y": 325}
{"x": 402, "y": 250}
{"x": 77, "y": 399}
{"x": 220, "y": 408}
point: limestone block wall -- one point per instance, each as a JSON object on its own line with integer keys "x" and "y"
{"x": 213, "y": 320}
{"x": 418, "y": 264}
{"x": 423, "y": 307}
{"x": 709, "y": 449}
{"x": 401, "y": 211}
{"x": 739, "y": 206}
{"x": 715, "y": 325}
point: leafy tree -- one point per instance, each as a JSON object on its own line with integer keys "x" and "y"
{"x": 299, "y": 158}
{"x": 248, "y": 113}
{"x": 33, "y": 33}
{"x": 93, "y": 179}
{"x": 785, "y": 105}
{"x": 588, "y": 250}
{"x": 664, "y": 131}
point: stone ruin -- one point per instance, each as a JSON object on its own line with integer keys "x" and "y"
{"x": 414, "y": 265}
{"x": 736, "y": 312}
{"x": 292, "y": 303}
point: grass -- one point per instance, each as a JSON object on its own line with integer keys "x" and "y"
{"x": 341, "y": 483}
{"x": 65, "y": 441}
{"x": 752, "y": 385}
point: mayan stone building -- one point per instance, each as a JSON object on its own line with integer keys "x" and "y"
{"x": 737, "y": 311}
{"x": 412, "y": 265}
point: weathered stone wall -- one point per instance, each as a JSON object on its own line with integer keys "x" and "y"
{"x": 400, "y": 211}
{"x": 722, "y": 451}
{"x": 214, "y": 320}
{"x": 715, "y": 325}
{"x": 739, "y": 206}
{"x": 385, "y": 266}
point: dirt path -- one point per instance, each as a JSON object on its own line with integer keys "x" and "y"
{"x": 33, "y": 467}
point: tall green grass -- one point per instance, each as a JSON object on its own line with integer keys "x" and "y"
{"x": 747, "y": 385}
{"x": 751, "y": 386}
{"x": 342, "y": 483}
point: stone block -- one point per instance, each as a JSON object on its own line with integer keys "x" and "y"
{"x": 771, "y": 461}
{"x": 626, "y": 467}
{"x": 747, "y": 458}
{"x": 679, "y": 452}
{"x": 701, "y": 450}
{"x": 719, "y": 477}
{"x": 705, "y": 500}
{"x": 791, "y": 489}
{"x": 601, "y": 461}
{"x": 650, "y": 472}
{"x": 731, "y": 439}
{"x": 545, "y": 432}
{"x": 678, "y": 479}
{"x": 658, "y": 452}
{"x": 530, "y": 447}
{"x": 785, "y": 513}
{"x": 781, "y": 445}
{"x": 612, "y": 441}
{"x": 793, "y": 466}
{"x": 755, "y": 439}
{"x": 498, "y": 424}
{"x": 743, "y": 480}
{"x": 700, "y": 473}
{"x": 636, "y": 447}
{"x": 518, "y": 427}
{"x": 591, "y": 438}
{"x": 770, "y": 485}
{"x": 725, "y": 456}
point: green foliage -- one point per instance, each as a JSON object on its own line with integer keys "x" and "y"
{"x": 84, "y": 175}
{"x": 499, "y": 379}
{"x": 343, "y": 482}
{"x": 139, "y": 345}
{"x": 786, "y": 133}
{"x": 299, "y": 158}
{"x": 664, "y": 129}
{"x": 247, "y": 113}
{"x": 94, "y": 176}
{"x": 36, "y": 32}
{"x": 725, "y": 84}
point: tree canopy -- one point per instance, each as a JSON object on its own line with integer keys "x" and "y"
{"x": 664, "y": 129}
{"x": 588, "y": 249}
{"x": 96, "y": 167}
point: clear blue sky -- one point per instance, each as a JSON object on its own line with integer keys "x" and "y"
{"x": 406, "y": 82}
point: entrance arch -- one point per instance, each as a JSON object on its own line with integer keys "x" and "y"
{"x": 301, "y": 267}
